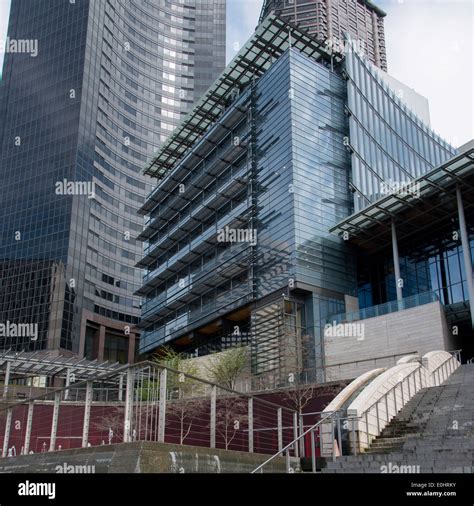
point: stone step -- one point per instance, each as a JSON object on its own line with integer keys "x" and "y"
{"x": 423, "y": 433}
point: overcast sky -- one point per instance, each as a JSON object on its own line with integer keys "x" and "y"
{"x": 429, "y": 48}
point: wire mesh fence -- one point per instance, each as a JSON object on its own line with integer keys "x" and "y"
{"x": 145, "y": 402}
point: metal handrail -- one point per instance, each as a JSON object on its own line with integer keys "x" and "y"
{"x": 141, "y": 365}
{"x": 389, "y": 391}
{"x": 453, "y": 353}
{"x": 329, "y": 415}
{"x": 442, "y": 365}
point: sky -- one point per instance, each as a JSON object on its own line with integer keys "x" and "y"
{"x": 429, "y": 48}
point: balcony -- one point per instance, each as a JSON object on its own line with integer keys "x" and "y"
{"x": 386, "y": 308}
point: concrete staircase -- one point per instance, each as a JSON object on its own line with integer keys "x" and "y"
{"x": 434, "y": 432}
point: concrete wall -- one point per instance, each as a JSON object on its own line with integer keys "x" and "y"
{"x": 144, "y": 457}
{"x": 420, "y": 329}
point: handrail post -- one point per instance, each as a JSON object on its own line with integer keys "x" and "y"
{"x": 332, "y": 438}
{"x": 295, "y": 433}
{"x": 280, "y": 428}
{"x": 54, "y": 423}
{"x": 302, "y": 448}
{"x": 354, "y": 443}
{"x": 339, "y": 439}
{"x": 29, "y": 424}
{"x": 212, "y": 443}
{"x": 250, "y": 416}
{"x": 6, "y": 435}
{"x": 162, "y": 405}
{"x": 313, "y": 452}
{"x": 87, "y": 413}
{"x": 6, "y": 380}
{"x": 127, "y": 424}
{"x": 377, "y": 415}
{"x": 367, "y": 426}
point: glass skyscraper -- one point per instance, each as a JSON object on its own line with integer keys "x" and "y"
{"x": 238, "y": 242}
{"x": 110, "y": 82}
{"x": 329, "y": 21}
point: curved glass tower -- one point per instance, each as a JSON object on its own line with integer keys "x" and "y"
{"x": 111, "y": 80}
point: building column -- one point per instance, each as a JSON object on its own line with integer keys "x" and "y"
{"x": 29, "y": 425}
{"x": 6, "y": 435}
{"x": 87, "y": 414}
{"x": 466, "y": 250}
{"x": 396, "y": 262}
{"x": 127, "y": 425}
{"x": 131, "y": 348}
{"x": 101, "y": 346}
{"x": 54, "y": 423}
{"x": 7, "y": 379}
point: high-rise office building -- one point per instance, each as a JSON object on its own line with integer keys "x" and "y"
{"x": 285, "y": 145}
{"x": 98, "y": 87}
{"x": 330, "y": 20}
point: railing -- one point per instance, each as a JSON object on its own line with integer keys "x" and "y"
{"x": 294, "y": 444}
{"x": 444, "y": 370}
{"x": 355, "y": 363}
{"x": 339, "y": 423}
{"x": 145, "y": 402}
{"x": 380, "y": 412}
{"x": 378, "y": 415}
{"x": 385, "y": 308}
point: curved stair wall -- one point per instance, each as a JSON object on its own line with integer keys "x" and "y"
{"x": 384, "y": 396}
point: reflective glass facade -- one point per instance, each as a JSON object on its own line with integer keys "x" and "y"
{"x": 427, "y": 266}
{"x": 294, "y": 152}
{"x": 275, "y": 163}
{"x": 111, "y": 80}
{"x": 389, "y": 143}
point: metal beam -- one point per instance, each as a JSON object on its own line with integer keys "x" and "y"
{"x": 68, "y": 382}
{"x": 7, "y": 379}
{"x": 280, "y": 429}
{"x": 396, "y": 262}
{"x": 213, "y": 417}
{"x": 6, "y": 436}
{"x": 87, "y": 415}
{"x": 250, "y": 417}
{"x": 29, "y": 424}
{"x": 127, "y": 423}
{"x": 162, "y": 406}
{"x": 54, "y": 423}
{"x": 120, "y": 393}
{"x": 466, "y": 250}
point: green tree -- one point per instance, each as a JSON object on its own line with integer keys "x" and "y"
{"x": 225, "y": 368}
